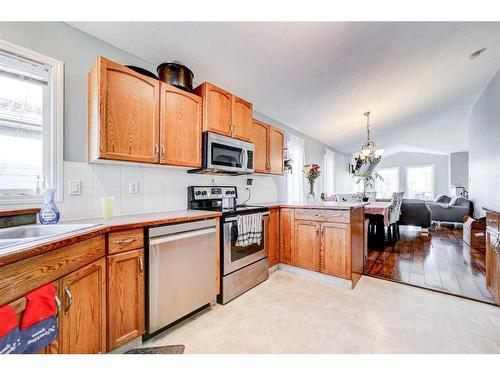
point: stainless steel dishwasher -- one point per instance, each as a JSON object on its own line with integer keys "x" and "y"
{"x": 182, "y": 271}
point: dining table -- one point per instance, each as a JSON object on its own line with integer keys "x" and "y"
{"x": 378, "y": 214}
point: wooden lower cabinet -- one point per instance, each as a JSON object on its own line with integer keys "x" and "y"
{"x": 492, "y": 266}
{"x": 274, "y": 237}
{"x": 286, "y": 236}
{"x": 83, "y": 315}
{"x": 307, "y": 244}
{"x": 125, "y": 297}
{"x": 335, "y": 257}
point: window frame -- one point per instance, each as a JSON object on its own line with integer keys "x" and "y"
{"x": 398, "y": 175}
{"x": 326, "y": 172}
{"x": 54, "y": 156}
{"x": 433, "y": 179}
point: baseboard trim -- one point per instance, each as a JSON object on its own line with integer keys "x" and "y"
{"x": 333, "y": 280}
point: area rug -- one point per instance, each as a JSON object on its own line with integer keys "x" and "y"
{"x": 169, "y": 349}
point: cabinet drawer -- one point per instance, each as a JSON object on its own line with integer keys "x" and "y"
{"x": 339, "y": 216}
{"x": 125, "y": 240}
{"x": 493, "y": 221}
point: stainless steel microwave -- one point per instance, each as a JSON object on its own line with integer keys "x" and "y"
{"x": 225, "y": 155}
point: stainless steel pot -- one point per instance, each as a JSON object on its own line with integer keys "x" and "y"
{"x": 176, "y": 74}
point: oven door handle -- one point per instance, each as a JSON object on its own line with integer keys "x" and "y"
{"x": 231, "y": 219}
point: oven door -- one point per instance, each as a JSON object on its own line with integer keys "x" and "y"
{"x": 225, "y": 154}
{"x": 236, "y": 257}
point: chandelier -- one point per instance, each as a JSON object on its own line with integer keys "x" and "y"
{"x": 369, "y": 153}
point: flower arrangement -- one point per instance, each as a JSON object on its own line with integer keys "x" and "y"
{"x": 311, "y": 172}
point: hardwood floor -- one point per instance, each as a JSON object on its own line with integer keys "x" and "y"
{"x": 439, "y": 261}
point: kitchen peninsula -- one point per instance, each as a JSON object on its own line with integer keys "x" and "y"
{"x": 323, "y": 237}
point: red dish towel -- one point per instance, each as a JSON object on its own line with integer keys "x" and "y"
{"x": 40, "y": 306}
{"x": 39, "y": 322}
{"x": 10, "y": 337}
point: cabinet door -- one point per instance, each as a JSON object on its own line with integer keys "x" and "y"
{"x": 260, "y": 140}
{"x": 129, "y": 114}
{"x": 180, "y": 127}
{"x": 274, "y": 236}
{"x": 307, "y": 244}
{"x": 286, "y": 236}
{"x": 242, "y": 112}
{"x": 492, "y": 267}
{"x": 276, "y": 144}
{"x": 335, "y": 254}
{"x": 125, "y": 297}
{"x": 216, "y": 109}
{"x": 83, "y": 320}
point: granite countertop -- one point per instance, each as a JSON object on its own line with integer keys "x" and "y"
{"x": 318, "y": 205}
{"x": 11, "y": 254}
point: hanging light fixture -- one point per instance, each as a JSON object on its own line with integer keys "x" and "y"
{"x": 369, "y": 153}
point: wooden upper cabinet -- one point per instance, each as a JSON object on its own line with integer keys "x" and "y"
{"x": 125, "y": 297}
{"x": 217, "y": 115}
{"x": 242, "y": 112}
{"x": 276, "y": 146}
{"x": 287, "y": 236}
{"x": 307, "y": 244}
{"x": 260, "y": 140}
{"x": 335, "y": 250}
{"x": 180, "y": 127}
{"x": 124, "y": 114}
{"x": 83, "y": 316}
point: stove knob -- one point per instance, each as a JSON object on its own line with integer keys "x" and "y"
{"x": 204, "y": 193}
{"x": 232, "y": 191}
{"x": 228, "y": 192}
{"x": 197, "y": 193}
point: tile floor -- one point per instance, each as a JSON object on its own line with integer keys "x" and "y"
{"x": 293, "y": 314}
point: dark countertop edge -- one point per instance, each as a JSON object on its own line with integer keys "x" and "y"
{"x": 492, "y": 209}
{"x": 319, "y": 206}
{"x": 31, "y": 250}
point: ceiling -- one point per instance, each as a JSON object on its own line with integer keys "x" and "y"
{"x": 319, "y": 78}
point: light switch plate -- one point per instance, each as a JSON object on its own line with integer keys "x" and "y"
{"x": 74, "y": 187}
{"x": 133, "y": 187}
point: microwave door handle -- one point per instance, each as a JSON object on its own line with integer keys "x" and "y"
{"x": 245, "y": 159}
{"x": 242, "y": 158}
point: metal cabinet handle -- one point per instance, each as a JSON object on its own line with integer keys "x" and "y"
{"x": 128, "y": 240}
{"x": 162, "y": 154}
{"x": 317, "y": 230}
{"x": 157, "y": 150}
{"x": 141, "y": 266}
{"x": 70, "y": 300}
{"x": 58, "y": 303}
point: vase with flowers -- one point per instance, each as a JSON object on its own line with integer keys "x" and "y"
{"x": 311, "y": 172}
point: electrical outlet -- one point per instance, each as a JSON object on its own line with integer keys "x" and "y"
{"x": 133, "y": 187}
{"x": 74, "y": 187}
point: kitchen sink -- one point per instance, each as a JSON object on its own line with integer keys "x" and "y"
{"x": 26, "y": 233}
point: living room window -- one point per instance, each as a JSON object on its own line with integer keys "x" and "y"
{"x": 294, "y": 184}
{"x": 420, "y": 182}
{"x": 390, "y": 183}
{"x": 31, "y": 115}
{"x": 329, "y": 173}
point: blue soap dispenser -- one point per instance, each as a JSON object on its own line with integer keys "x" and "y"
{"x": 49, "y": 214}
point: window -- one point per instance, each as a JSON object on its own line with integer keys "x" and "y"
{"x": 389, "y": 185}
{"x": 294, "y": 180}
{"x": 420, "y": 182}
{"x": 31, "y": 114}
{"x": 329, "y": 173}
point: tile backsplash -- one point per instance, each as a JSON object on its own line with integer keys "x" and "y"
{"x": 158, "y": 188}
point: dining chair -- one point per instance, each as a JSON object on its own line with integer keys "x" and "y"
{"x": 394, "y": 214}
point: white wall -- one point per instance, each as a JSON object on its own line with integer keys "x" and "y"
{"x": 459, "y": 169}
{"x": 484, "y": 150}
{"x": 406, "y": 159}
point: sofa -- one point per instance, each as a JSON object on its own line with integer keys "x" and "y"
{"x": 451, "y": 210}
{"x": 413, "y": 212}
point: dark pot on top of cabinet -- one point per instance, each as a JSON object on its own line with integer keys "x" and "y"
{"x": 176, "y": 74}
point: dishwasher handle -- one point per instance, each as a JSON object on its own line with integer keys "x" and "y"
{"x": 179, "y": 236}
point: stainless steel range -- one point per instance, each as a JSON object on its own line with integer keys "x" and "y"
{"x": 242, "y": 267}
